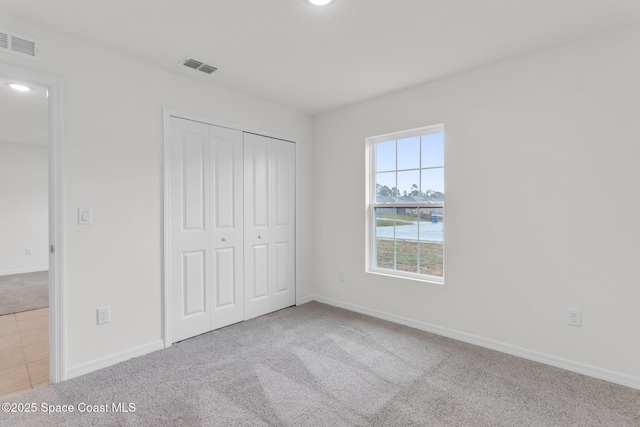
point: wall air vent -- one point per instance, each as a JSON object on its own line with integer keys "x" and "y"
{"x": 198, "y": 65}
{"x": 18, "y": 45}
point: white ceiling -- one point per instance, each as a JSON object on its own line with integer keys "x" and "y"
{"x": 23, "y": 115}
{"x": 319, "y": 58}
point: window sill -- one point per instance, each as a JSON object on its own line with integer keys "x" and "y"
{"x": 407, "y": 276}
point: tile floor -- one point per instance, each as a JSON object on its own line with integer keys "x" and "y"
{"x": 24, "y": 350}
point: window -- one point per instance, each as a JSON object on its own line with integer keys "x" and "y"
{"x": 405, "y": 204}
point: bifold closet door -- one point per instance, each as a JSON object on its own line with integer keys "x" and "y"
{"x": 227, "y": 227}
{"x": 205, "y": 227}
{"x": 269, "y": 218}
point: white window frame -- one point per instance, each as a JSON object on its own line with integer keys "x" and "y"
{"x": 371, "y": 204}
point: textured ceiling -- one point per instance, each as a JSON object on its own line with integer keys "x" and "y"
{"x": 319, "y": 58}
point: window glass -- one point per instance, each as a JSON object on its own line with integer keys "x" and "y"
{"x": 408, "y": 184}
{"x": 386, "y": 190}
{"x": 431, "y": 242}
{"x": 384, "y": 240}
{"x": 432, "y": 185}
{"x": 386, "y": 156}
{"x": 432, "y": 150}
{"x": 409, "y": 153}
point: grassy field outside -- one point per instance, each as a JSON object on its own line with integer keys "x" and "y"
{"x": 431, "y": 256}
{"x": 388, "y": 220}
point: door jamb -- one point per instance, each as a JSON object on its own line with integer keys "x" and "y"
{"x": 54, "y": 85}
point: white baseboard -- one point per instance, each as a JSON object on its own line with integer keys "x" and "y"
{"x": 104, "y": 362}
{"x": 305, "y": 300}
{"x": 547, "y": 359}
{"x": 23, "y": 270}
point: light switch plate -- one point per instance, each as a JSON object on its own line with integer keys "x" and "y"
{"x": 84, "y": 216}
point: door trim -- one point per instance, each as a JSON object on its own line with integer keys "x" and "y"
{"x": 54, "y": 85}
{"x": 167, "y": 113}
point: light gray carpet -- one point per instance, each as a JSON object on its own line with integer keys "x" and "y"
{"x": 316, "y": 365}
{"x": 23, "y": 292}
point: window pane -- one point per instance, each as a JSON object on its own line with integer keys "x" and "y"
{"x": 409, "y": 185}
{"x": 409, "y": 153}
{"x": 432, "y": 150}
{"x": 384, "y": 250}
{"x": 406, "y": 240}
{"x": 431, "y": 239}
{"x": 431, "y": 256}
{"x": 407, "y": 256}
{"x": 386, "y": 156}
{"x": 386, "y": 190}
{"x": 432, "y": 185}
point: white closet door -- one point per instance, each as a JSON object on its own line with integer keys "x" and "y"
{"x": 206, "y": 228}
{"x": 269, "y": 213}
{"x": 231, "y": 239}
{"x": 283, "y": 207}
{"x": 189, "y": 228}
{"x": 227, "y": 300}
{"x": 257, "y": 221}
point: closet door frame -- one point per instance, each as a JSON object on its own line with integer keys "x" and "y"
{"x": 166, "y": 237}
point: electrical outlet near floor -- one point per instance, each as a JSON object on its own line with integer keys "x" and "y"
{"x": 104, "y": 315}
{"x": 574, "y": 317}
{"x": 28, "y": 251}
{"x": 341, "y": 276}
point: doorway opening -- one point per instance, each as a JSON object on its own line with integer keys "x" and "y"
{"x": 24, "y": 222}
{"x": 30, "y": 229}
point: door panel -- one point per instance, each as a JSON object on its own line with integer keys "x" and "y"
{"x": 189, "y": 263}
{"x": 282, "y": 267}
{"x": 260, "y": 286}
{"x": 194, "y": 288}
{"x": 283, "y": 230}
{"x": 269, "y": 224}
{"x": 227, "y": 234}
{"x": 260, "y": 184}
{"x": 225, "y": 278}
{"x": 256, "y": 225}
{"x": 282, "y": 193}
{"x": 193, "y": 169}
{"x": 225, "y": 188}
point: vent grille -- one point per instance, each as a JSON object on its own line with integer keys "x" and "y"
{"x": 207, "y": 69}
{"x": 23, "y": 46}
{"x": 198, "y": 65}
{"x": 16, "y": 44}
{"x": 192, "y": 63}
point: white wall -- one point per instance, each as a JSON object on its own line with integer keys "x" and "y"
{"x": 23, "y": 208}
{"x": 553, "y": 132}
{"x": 113, "y": 164}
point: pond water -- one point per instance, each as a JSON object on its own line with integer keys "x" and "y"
{"x": 429, "y": 231}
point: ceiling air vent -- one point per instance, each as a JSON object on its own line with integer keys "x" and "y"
{"x": 198, "y": 65}
{"x": 16, "y": 44}
{"x": 4, "y": 40}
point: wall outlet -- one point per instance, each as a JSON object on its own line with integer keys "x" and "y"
{"x": 28, "y": 251}
{"x": 574, "y": 317}
{"x": 341, "y": 276}
{"x": 104, "y": 315}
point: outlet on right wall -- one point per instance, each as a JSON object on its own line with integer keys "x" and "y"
{"x": 542, "y": 206}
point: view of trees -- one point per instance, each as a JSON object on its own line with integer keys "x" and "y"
{"x": 383, "y": 190}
